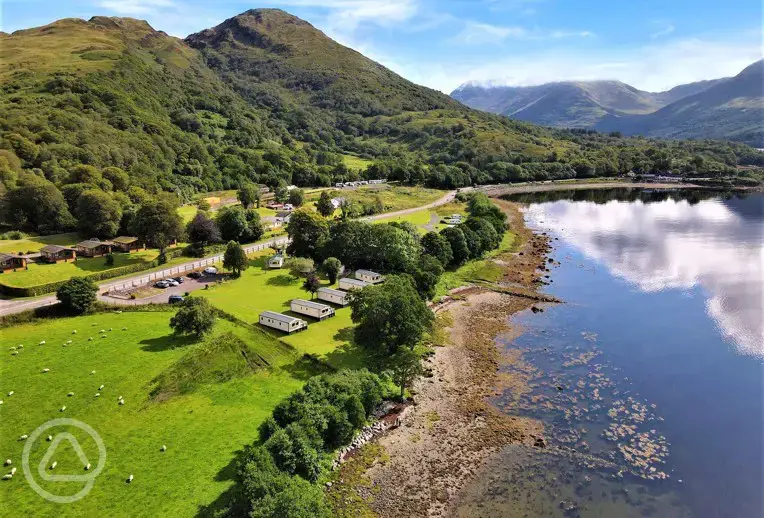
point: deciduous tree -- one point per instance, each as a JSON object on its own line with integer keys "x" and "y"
{"x": 235, "y": 259}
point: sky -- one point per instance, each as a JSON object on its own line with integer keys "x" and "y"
{"x": 650, "y": 44}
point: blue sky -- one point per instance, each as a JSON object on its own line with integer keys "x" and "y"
{"x": 650, "y": 44}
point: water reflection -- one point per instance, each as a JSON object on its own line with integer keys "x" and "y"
{"x": 679, "y": 244}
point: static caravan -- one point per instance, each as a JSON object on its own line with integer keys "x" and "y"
{"x": 282, "y": 322}
{"x": 341, "y": 298}
{"x": 312, "y": 309}
{"x": 369, "y": 276}
{"x": 276, "y": 262}
{"x": 348, "y": 284}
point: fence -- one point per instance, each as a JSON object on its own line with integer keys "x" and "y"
{"x": 177, "y": 271}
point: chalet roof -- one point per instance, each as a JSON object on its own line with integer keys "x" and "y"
{"x": 277, "y": 257}
{"x": 283, "y": 214}
{"x": 355, "y": 282}
{"x": 93, "y": 243}
{"x": 366, "y": 272}
{"x": 310, "y": 304}
{"x": 124, "y": 240}
{"x": 53, "y": 249}
{"x": 278, "y": 316}
{"x": 6, "y": 257}
{"x": 331, "y": 291}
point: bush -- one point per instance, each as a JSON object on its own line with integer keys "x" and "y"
{"x": 331, "y": 268}
{"x": 77, "y": 295}
{"x": 196, "y": 316}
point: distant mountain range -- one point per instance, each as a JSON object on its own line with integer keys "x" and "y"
{"x": 728, "y": 108}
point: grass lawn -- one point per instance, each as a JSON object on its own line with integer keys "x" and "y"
{"x": 187, "y": 212}
{"x": 420, "y": 217}
{"x": 259, "y": 290}
{"x": 44, "y": 273}
{"x": 393, "y": 197}
{"x": 33, "y": 244}
{"x": 354, "y": 162}
{"x": 204, "y": 427}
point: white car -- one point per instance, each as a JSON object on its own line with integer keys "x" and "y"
{"x": 172, "y": 282}
{"x": 288, "y": 206}
{"x": 210, "y": 270}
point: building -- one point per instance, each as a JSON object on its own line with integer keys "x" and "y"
{"x": 341, "y": 298}
{"x": 276, "y": 262}
{"x": 350, "y": 284}
{"x": 369, "y": 276}
{"x": 57, "y": 254}
{"x": 282, "y": 322}
{"x": 12, "y": 262}
{"x": 93, "y": 248}
{"x": 283, "y": 216}
{"x": 127, "y": 244}
{"x": 311, "y": 309}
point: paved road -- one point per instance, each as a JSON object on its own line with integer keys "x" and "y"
{"x": 11, "y": 306}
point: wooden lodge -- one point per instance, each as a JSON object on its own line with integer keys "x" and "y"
{"x": 127, "y": 244}
{"x": 12, "y": 262}
{"x": 93, "y": 248}
{"x": 57, "y": 254}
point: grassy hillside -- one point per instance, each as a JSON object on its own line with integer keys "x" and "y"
{"x": 200, "y": 399}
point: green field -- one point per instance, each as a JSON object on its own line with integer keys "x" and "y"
{"x": 260, "y": 290}
{"x": 33, "y": 244}
{"x": 204, "y": 425}
{"x": 187, "y": 212}
{"x": 393, "y": 197}
{"x": 45, "y": 273}
{"x": 356, "y": 163}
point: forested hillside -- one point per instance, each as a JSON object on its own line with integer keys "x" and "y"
{"x": 113, "y": 105}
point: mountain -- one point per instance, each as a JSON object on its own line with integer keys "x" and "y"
{"x": 571, "y": 104}
{"x": 732, "y": 109}
{"x": 727, "y": 108}
{"x": 115, "y": 105}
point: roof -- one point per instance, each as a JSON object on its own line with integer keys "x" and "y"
{"x": 366, "y": 272}
{"x": 331, "y": 291}
{"x": 356, "y": 282}
{"x": 277, "y": 256}
{"x": 5, "y": 257}
{"x": 53, "y": 249}
{"x": 125, "y": 240}
{"x": 93, "y": 243}
{"x": 310, "y": 304}
{"x": 283, "y": 214}
{"x": 278, "y": 316}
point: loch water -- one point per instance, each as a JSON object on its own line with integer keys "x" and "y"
{"x": 649, "y": 378}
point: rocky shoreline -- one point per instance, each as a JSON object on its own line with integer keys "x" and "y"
{"x": 451, "y": 429}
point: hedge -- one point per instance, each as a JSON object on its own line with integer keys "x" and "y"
{"x": 41, "y": 289}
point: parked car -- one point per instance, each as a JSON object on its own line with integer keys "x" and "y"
{"x": 288, "y": 206}
{"x": 174, "y": 299}
{"x": 172, "y": 282}
{"x": 210, "y": 270}
{"x": 162, "y": 284}
{"x": 195, "y": 275}
{"x": 179, "y": 280}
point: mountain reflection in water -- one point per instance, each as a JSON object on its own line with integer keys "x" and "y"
{"x": 717, "y": 244}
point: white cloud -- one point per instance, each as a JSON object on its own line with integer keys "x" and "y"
{"x": 136, "y": 7}
{"x": 663, "y": 28}
{"x": 478, "y": 33}
{"x": 350, "y": 13}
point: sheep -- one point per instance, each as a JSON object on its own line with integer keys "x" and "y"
{"x": 121, "y": 401}
{"x": 45, "y": 370}
{"x": 42, "y": 342}
{"x": 163, "y": 448}
{"x": 119, "y": 312}
{"x": 53, "y": 466}
{"x": 103, "y": 336}
{"x": 8, "y": 462}
{"x": 119, "y": 398}
{"x": 124, "y": 329}
{"x": 100, "y": 388}
{"x": 1, "y": 401}
{"x": 13, "y": 348}
{"x": 10, "y": 393}
{"x": 87, "y": 467}
{"x": 98, "y": 394}
{"x": 23, "y": 437}
{"x": 13, "y": 471}
{"x": 21, "y": 346}
{"x": 7, "y": 477}
{"x": 74, "y": 332}
{"x": 130, "y": 478}
{"x": 14, "y": 353}
{"x": 111, "y": 329}
{"x": 90, "y": 339}
{"x": 68, "y": 341}
{"x": 70, "y": 394}
{"x": 102, "y": 331}
{"x": 63, "y": 408}
{"x": 49, "y": 438}
{"x": 92, "y": 372}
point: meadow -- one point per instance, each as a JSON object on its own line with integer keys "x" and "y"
{"x": 33, "y": 244}
{"x": 199, "y": 398}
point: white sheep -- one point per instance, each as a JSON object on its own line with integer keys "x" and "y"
{"x": 7, "y": 477}
{"x": 53, "y": 466}
{"x": 163, "y": 448}
{"x": 92, "y": 372}
{"x": 1, "y": 401}
{"x": 121, "y": 401}
{"x": 45, "y": 370}
{"x": 10, "y": 393}
{"x": 74, "y": 332}
{"x": 111, "y": 329}
{"x": 13, "y": 471}
{"x": 7, "y": 462}
{"x": 124, "y": 329}
{"x": 21, "y": 346}
{"x": 90, "y": 339}
{"x": 130, "y": 478}
{"x": 13, "y": 348}
{"x": 23, "y": 437}
{"x": 98, "y": 394}
{"x": 119, "y": 398}
{"x": 63, "y": 408}
{"x": 14, "y": 353}
{"x": 42, "y": 342}
{"x": 119, "y": 312}
{"x": 70, "y": 394}
{"x": 87, "y": 467}
{"x": 103, "y": 336}
{"x": 100, "y": 388}
{"x": 49, "y": 438}
{"x": 102, "y": 331}
{"x": 68, "y": 341}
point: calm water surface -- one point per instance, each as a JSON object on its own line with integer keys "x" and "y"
{"x": 649, "y": 378}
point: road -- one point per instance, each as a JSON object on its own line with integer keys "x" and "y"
{"x": 12, "y": 306}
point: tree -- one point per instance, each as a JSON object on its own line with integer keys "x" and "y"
{"x": 195, "y": 316}
{"x": 77, "y": 295}
{"x": 311, "y": 284}
{"x": 308, "y": 231}
{"x": 157, "y": 223}
{"x": 480, "y": 206}
{"x": 324, "y": 204}
{"x": 405, "y": 365}
{"x": 98, "y": 214}
{"x": 119, "y": 179}
{"x": 233, "y": 224}
{"x": 390, "y": 316}
{"x": 249, "y": 194}
{"x": 202, "y": 230}
{"x": 458, "y": 244}
{"x": 281, "y": 193}
{"x": 331, "y": 268}
{"x": 255, "y": 228}
{"x": 82, "y": 173}
{"x": 37, "y": 205}
{"x": 438, "y": 246}
{"x": 300, "y": 266}
{"x": 235, "y": 259}
{"x": 347, "y": 208}
{"x": 391, "y": 249}
{"x": 485, "y": 231}
{"x": 297, "y": 197}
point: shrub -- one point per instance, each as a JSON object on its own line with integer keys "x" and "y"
{"x": 331, "y": 268}
{"x": 196, "y": 316}
{"x": 77, "y": 295}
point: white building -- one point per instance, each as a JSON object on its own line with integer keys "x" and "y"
{"x": 341, "y": 298}
{"x": 312, "y": 309}
{"x": 349, "y": 284}
{"x": 369, "y": 276}
{"x": 282, "y": 322}
{"x": 275, "y": 262}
